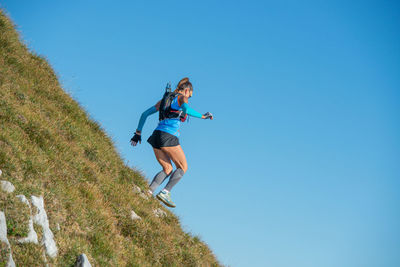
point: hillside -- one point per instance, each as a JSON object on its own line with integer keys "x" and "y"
{"x": 51, "y": 151}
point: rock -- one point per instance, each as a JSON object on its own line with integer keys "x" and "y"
{"x": 32, "y": 236}
{"x": 82, "y": 261}
{"x": 137, "y": 190}
{"x": 159, "y": 213}
{"x": 134, "y": 216}
{"x": 41, "y": 219}
{"x": 4, "y": 239}
{"x": 24, "y": 200}
{"x": 3, "y": 229}
{"x": 1, "y": 172}
{"x": 7, "y": 187}
{"x": 11, "y": 262}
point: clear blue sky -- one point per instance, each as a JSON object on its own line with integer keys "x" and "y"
{"x": 301, "y": 165}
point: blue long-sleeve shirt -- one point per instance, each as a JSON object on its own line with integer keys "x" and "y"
{"x": 172, "y": 125}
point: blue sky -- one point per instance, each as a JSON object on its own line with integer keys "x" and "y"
{"x": 301, "y": 165}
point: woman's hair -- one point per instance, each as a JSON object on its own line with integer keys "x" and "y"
{"x": 184, "y": 83}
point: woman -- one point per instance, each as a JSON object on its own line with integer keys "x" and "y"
{"x": 164, "y": 139}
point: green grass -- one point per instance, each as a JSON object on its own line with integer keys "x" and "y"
{"x": 27, "y": 254}
{"x": 4, "y": 251}
{"x": 17, "y": 223}
{"x": 49, "y": 146}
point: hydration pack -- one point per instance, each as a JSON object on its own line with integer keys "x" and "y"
{"x": 165, "y": 111}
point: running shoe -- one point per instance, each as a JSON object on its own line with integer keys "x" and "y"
{"x": 165, "y": 197}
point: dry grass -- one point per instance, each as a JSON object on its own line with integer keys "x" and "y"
{"x": 50, "y": 147}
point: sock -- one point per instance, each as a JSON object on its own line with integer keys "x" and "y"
{"x": 175, "y": 177}
{"x": 158, "y": 179}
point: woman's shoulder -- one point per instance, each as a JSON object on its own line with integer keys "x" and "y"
{"x": 181, "y": 99}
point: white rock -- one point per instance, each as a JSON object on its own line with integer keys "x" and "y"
{"x": 10, "y": 262}
{"x": 134, "y": 216}
{"x": 136, "y": 189}
{"x": 41, "y": 219}
{"x": 24, "y": 200}
{"x": 7, "y": 187}
{"x": 3, "y": 229}
{"x": 3, "y": 238}
{"x": 82, "y": 261}
{"x": 159, "y": 213}
{"x": 32, "y": 236}
{"x": 1, "y": 172}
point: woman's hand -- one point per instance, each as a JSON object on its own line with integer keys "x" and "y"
{"x": 208, "y": 115}
{"x": 136, "y": 138}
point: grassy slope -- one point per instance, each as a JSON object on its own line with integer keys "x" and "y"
{"x": 49, "y": 146}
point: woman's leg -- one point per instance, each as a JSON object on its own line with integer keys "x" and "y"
{"x": 178, "y": 157}
{"x": 165, "y": 162}
{"x": 176, "y": 154}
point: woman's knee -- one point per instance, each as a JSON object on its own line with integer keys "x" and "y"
{"x": 167, "y": 169}
{"x": 183, "y": 166}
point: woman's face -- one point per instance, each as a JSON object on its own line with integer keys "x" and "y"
{"x": 188, "y": 93}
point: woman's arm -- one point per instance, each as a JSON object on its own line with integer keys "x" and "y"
{"x": 183, "y": 102}
{"x": 144, "y": 116}
{"x": 191, "y": 112}
{"x": 137, "y": 138}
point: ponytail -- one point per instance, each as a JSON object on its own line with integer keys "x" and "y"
{"x": 184, "y": 83}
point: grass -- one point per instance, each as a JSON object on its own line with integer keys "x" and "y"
{"x": 4, "y": 251}
{"x": 17, "y": 223}
{"x": 49, "y": 146}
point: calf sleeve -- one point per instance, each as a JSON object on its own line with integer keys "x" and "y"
{"x": 175, "y": 177}
{"x": 158, "y": 179}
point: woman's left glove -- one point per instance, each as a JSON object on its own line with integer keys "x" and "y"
{"x": 208, "y": 115}
{"x": 135, "y": 139}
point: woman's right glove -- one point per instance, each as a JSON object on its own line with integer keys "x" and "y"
{"x": 208, "y": 115}
{"x": 135, "y": 139}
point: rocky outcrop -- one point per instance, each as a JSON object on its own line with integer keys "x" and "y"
{"x": 134, "y": 216}
{"x": 41, "y": 219}
{"x": 6, "y": 186}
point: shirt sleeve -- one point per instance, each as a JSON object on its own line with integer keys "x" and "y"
{"x": 144, "y": 116}
{"x": 191, "y": 112}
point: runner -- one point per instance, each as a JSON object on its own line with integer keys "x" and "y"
{"x": 173, "y": 109}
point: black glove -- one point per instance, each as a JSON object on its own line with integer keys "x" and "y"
{"x": 135, "y": 139}
{"x": 208, "y": 115}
